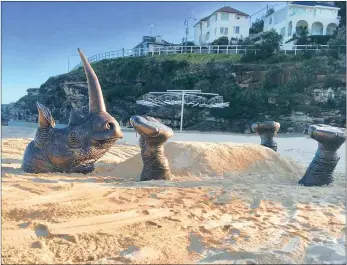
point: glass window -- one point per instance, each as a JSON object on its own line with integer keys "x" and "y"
{"x": 236, "y": 30}
{"x": 215, "y": 17}
{"x": 215, "y": 31}
{"x": 225, "y": 16}
{"x": 223, "y": 31}
{"x": 208, "y": 22}
{"x": 270, "y": 22}
{"x": 207, "y": 36}
{"x": 283, "y": 30}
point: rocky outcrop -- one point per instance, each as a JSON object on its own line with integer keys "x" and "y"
{"x": 320, "y": 101}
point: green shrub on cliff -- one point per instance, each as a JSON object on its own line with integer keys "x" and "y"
{"x": 275, "y": 88}
{"x": 268, "y": 44}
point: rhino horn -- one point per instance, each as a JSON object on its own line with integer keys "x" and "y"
{"x": 45, "y": 117}
{"x": 96, "y": 99}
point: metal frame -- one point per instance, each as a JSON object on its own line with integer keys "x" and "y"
{"x": 183, "y": 93}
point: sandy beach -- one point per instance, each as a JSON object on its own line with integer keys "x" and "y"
{"x": 231, "y": 201}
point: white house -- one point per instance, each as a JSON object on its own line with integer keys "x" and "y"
{"x": 225, "y": 21}
{"x": 320, "y": 18}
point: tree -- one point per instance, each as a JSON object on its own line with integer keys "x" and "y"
{"x": 221, "y": 41}
{"x": 189, "y": 43}
{"x": 300, "y": 36}
{"x": 269, "y": 12}
{"x": 342, "y": 12}
{"x": 339, "y": 41}
{"x": 233, "y": 40}
{"x": 340, "y": 38}
{"x": 257, "y": 26}
{"x": 270, "y": 42}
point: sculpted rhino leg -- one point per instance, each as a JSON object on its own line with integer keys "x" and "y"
{"x": 321, "y": 168}
{"x": 84, "y": 169}
{"x": 34, "y": 161}
{"x": 153, "y": 135}
{"x": 267, "y": 130}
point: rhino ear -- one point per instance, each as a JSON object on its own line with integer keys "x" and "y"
{"x": 45, "y": 116}
{"x": 76, "y": 117}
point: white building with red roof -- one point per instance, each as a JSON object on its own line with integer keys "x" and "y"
{"x": 225, "y": 21}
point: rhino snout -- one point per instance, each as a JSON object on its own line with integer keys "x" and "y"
{"x": 114, "y": 128}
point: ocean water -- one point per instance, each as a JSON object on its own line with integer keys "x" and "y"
{"x": 295, "y": 146}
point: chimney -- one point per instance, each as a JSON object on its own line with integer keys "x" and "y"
{"x": 158, "y": 39}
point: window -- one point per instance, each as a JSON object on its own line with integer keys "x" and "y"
{"x": 283, "y": 31}
{"x": 225, "y": 16}
{"x": 208, "y": 22}
{"x": 290, "y": 28}
{"x": 237, "y": 17}
{"x": 207, "y": 36}
{"x": 236, "y": 30}
{"x": 270, "y": 22}
{"x": 215, "y": 17}
{"x": 215, "y": 31}
{"x": 224, "y": 31}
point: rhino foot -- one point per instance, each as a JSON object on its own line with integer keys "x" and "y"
{"x": 84, "y": 169}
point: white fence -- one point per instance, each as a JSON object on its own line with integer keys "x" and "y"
{"x": 207, "y": 49}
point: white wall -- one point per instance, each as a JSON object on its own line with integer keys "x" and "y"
{"x": 214, "y": 28}
{"x": 296, "y": 13}
{"x": 197, "y": 33}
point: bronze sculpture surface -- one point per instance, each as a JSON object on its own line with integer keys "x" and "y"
{"x": 153, "y": 135}
{"x": 75, "y": 148}
{"x": 267, "y": 130}
{"x": 321, "y": 168}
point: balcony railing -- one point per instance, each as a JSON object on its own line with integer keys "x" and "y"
{"x": 205, "y": 49}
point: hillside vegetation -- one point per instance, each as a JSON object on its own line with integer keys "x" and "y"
{"x": 258, "y": 86}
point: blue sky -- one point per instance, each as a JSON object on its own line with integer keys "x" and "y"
{"x": 39, "y": 37}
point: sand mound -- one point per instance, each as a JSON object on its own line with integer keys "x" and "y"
{"x": 188, "y": 161}
{"x": 207, "y": 160}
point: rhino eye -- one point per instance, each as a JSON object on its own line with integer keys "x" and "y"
{"x": 75, "y": 139}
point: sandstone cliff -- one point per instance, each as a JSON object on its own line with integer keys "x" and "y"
{"x": 295, "y": 93}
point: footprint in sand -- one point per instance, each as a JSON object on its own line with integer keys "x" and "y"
{"x": 328, "y": 214}
{"x": 150, "y": 223}
{"x": 41, "y": 231}
{"x": 37, "y": 244}
{"x": 235, "y": 231}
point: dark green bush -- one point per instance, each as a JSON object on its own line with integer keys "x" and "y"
{"x": 221, "y": 41}
{"x": 332, "y": 81}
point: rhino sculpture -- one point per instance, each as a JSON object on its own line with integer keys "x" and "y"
{"x": 76, "y": 147}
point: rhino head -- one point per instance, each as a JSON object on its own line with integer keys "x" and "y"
{"x": 76, "y": 147}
